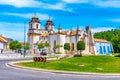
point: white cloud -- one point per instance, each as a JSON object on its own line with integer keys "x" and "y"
{"x": 12, "y": 30}
{"x": 107, "y": 3}
{"x": 28, "y": 15}
{"x": 21, "y": 3}
{"x": 33, "y": 3}
{"x": 57, "y": 6}
{"x": 75, "y": 1}
{"x": 100, "y": 3}
{"x": 7, "y": 25}
{"x": 100, "y": 29}
{"x": 114, "y": 20}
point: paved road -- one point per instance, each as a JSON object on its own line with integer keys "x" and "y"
{"x": 8, "y": 73}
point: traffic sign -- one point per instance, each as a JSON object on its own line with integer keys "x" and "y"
{"x": 39, "y": 59}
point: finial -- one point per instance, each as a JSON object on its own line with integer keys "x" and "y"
{"x": 49, "y": 19}
{"x": 71, "y": 29}
{"x": 77, "y": 27}
{"x": 59, "y": 27}
{"x": 35, "y": 16}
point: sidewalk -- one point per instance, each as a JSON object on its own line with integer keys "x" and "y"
{"x": 13, "y": 64}
{"x": 15, "y": 56}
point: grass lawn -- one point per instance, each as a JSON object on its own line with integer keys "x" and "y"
{"x": 101, "y": 64}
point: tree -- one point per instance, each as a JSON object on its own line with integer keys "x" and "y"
{"x": 58, "y": 46}
{"x": 40, "y": 46}
{"x": 81, "y": 46}
{"x": 26, "y": 46}
{"x": 15, "y": 45}
{"x": 116, "y": 42}
{"x": 46, "y": 44}
{"x": 67, "y": 46}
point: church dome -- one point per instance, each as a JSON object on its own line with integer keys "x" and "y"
{"x": 35, "y": 19}
{"x": 35, "y": 16}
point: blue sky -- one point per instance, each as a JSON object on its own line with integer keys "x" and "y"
{"x": 101, "y": 15}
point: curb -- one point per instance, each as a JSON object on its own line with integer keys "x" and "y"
{"x": 13, "y": 65}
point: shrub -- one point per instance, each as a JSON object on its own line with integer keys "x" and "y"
{"x": 77, "y": 55}
{"x": 118, "y": 55}
{"x": 59, "y": 53}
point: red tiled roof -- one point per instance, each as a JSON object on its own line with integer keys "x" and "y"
{"x": 23, "y": 42}
{"x": 100, "y": 40}
{"x": 3, "y": 39}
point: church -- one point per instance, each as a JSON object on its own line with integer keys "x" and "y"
{"x": 37, "y": 35}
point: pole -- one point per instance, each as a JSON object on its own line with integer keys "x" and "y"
{"x": 24, "y": 38}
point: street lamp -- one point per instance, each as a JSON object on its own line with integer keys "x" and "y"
{"x": 24, "y": 38}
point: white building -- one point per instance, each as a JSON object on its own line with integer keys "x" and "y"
{"x": 103, "y": 46}
{"x": 37, "y": 35}
{"x": 4, "y": 42}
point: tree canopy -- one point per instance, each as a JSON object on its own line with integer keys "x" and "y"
{"x": 41, "y": 46}
{"x": 81, "y": 46}
{"x": 14, "y": 45}
{"x": 67, "y": 46}
{"x": 46, "y": 44}
{"x": 26, "y": 46}
{"x": 58, "y": 46}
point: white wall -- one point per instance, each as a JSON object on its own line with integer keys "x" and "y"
{"x": 3, "y": 47}
{"x": 102, "y": 44}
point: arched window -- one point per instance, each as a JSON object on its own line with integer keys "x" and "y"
{"x": 54, "y": 43}
{"x": 36, "y": 26}
{"x": 72, "y": 46}
{"x": 54, "y": 48}
{"x": 31, "y": 26}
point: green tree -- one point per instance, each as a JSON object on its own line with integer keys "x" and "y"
{"x": 81, "y": 46}
{"x": 58, "y": 46}
{"x": 40, "y": 46}
{"x": 46, "y": 44}
{"x": 116, "y": 42}
{"x": 26, "y": 46}
{"x": 15, "y": 45}
{"x": 67, "y": 46}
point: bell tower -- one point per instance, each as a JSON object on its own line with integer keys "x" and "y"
{"x": 33, "y": 32}
{"x": 49, "y": 26}
{"x": 90, "y": 40}
{"x": 34, "y": 23}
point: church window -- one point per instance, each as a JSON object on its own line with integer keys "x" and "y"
{"x": 37, "y": 26}
{"x": 40, "y": 38}
{"x": 54, "y": 43}
{"x": 31, "y": 25}
{"x": 72, "y": 46}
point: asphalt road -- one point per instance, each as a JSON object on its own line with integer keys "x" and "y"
{"x": 8, "y": 73}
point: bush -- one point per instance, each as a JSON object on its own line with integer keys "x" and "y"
{"x": 59, "y": 53}
{"x": 77, "y": 55}
{"x": 118, "y": 55}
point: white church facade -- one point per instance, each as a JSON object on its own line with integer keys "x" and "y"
{"x": 37, "y": 35}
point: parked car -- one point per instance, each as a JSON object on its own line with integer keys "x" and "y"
{"x": 43, "y": 53}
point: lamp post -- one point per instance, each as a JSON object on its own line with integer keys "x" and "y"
{"x": 24, "y": 54}
{"x": 24, "y": 38}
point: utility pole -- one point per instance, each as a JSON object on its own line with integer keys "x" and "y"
{"x": 24, "y": 39}
{"x": 71, "y": 41}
